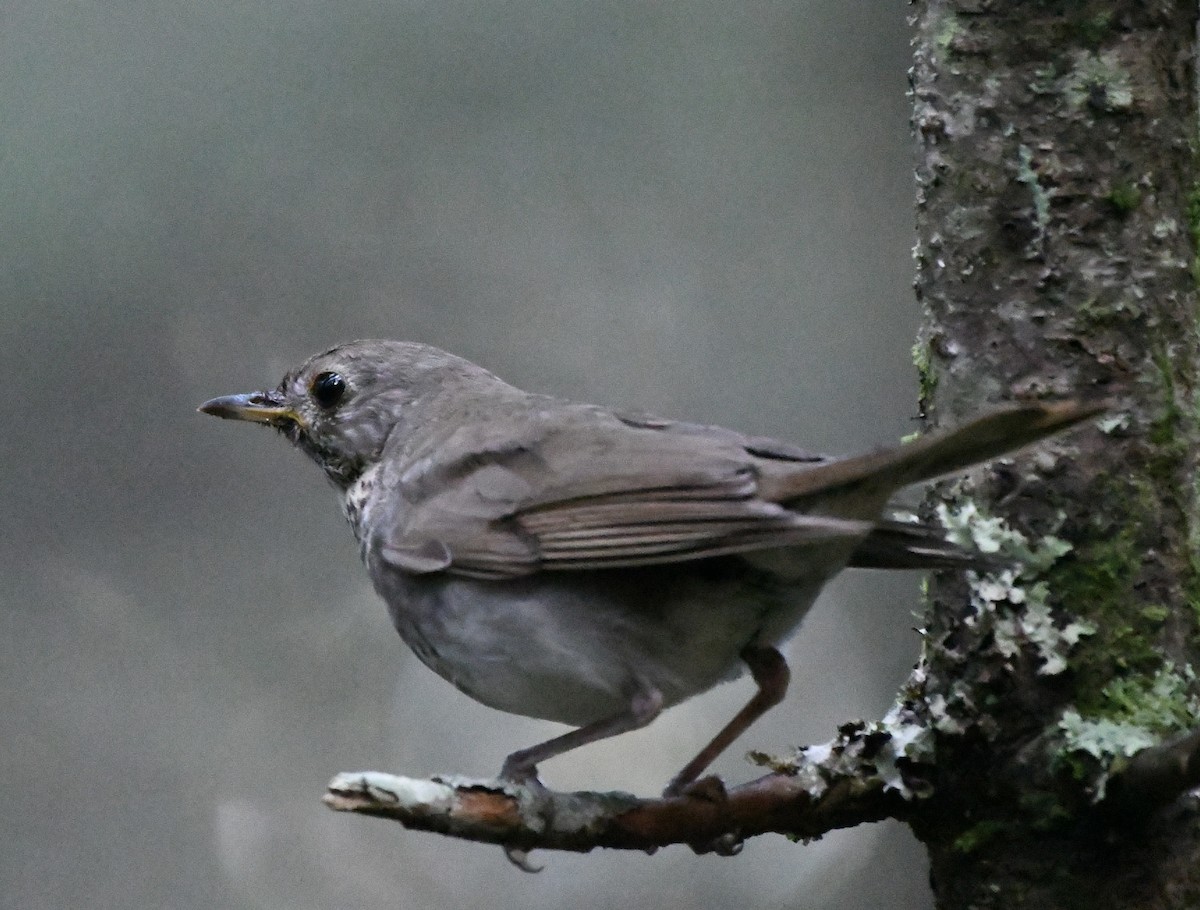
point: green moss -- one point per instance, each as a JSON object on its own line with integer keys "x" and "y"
{"x": 1164, "y": 431}
{"x": 1155, "y": 614}
{"x": 1193, "y": 217}
{"x": 1169, "y": 474}
{"x": 1098, "y": 585}
{"x": 980, "y": 834}
{"x": 1190, "y": 494}
{"x": 1192, "y": 589}
{"x": 1164, "y": 703}
{"x": 947, "y": 31}
{"x": 1193, "y": 212}
{"x": 927, "y": 377}
{"x": 1124, "y": 197}
{"x": 1127, "y": 695}
{"x": 1092, "y": 30}
{"x": 1043, "y": 809}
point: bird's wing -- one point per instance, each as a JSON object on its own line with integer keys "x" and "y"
{"x": 592, "y": 493}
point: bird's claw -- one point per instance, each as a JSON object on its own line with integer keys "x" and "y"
{"x": 520, "y": 859}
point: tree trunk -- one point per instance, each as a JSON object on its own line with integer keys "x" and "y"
{"x": 1057, "y": 218}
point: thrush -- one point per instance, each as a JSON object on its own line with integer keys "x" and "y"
{"x": 584, "y": 565}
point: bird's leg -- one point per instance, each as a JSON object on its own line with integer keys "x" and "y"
{"x": 771, "y": 673}
{"x": 521, "y": 767}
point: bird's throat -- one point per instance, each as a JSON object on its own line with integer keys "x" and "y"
{"x": 356, "y": 502}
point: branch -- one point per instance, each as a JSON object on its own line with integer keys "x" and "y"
{"x": 867, "y": 774}
{"x": 1157, "y": 776}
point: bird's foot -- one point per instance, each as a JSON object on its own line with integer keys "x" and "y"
{"x": 521, "y": 774}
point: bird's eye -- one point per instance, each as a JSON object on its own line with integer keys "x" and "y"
{"x": 327, "y": 389}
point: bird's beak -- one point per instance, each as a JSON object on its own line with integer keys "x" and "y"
{"x": 257, "y": 407}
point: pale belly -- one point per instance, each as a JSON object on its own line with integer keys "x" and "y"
{"x": 574, "y": 647}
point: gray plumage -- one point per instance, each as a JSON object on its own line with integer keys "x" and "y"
{"x": 574, "y": 563}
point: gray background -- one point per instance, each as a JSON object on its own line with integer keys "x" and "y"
{"x": 695, "y": 208}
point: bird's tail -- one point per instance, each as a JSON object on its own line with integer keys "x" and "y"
{"x": 938, "y": 453}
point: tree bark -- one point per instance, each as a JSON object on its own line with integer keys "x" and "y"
{"x": 1057, "y": 217}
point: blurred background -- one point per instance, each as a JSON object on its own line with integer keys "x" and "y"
{"x": 694, "y": 208}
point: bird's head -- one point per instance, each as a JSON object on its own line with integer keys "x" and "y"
{"x": 341, "y": 406}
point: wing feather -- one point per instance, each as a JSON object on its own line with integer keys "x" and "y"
{"x": 568, "y": 498}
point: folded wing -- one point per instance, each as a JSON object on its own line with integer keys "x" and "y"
{"x": 577, "y": 495}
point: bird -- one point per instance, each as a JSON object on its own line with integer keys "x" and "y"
{"x": 592, "y": 566}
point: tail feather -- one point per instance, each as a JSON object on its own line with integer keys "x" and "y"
{"x": 935, "y": 454}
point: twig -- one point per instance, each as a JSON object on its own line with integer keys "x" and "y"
{"x": 520, "y": 816}
{"x": 862, "y": 776}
